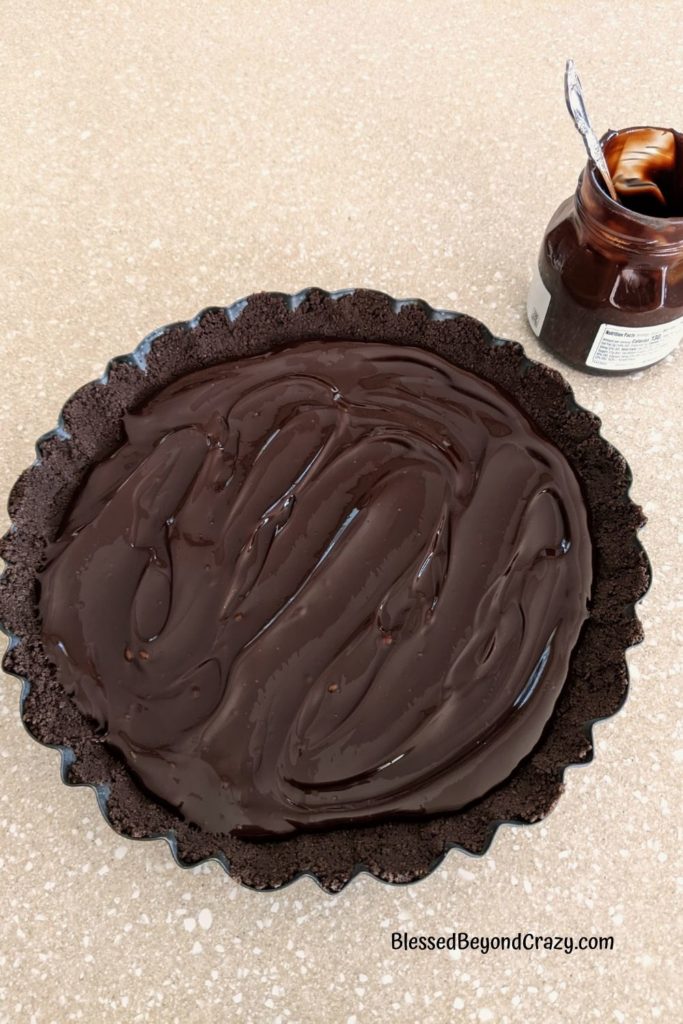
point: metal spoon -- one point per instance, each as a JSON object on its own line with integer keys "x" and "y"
{"x": 573, "y": 94}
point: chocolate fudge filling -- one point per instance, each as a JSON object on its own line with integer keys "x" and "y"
{"x": 333, "y": 583}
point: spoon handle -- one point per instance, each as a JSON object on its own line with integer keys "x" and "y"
{"x": 573, "y": 94}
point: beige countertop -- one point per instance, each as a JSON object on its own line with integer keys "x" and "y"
{"x": 165, "y": 156}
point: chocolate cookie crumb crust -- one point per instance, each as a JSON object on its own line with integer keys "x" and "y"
{"x": 91, "y": 428}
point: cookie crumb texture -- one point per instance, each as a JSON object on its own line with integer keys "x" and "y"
{"x": 396, "y": 851}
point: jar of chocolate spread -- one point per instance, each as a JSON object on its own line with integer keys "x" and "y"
{"x": 607, "y": 294}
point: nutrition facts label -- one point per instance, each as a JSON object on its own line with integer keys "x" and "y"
{"x": 629, "y": 348}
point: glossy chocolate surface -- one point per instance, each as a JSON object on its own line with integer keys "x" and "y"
{"x": 335, "y": 583}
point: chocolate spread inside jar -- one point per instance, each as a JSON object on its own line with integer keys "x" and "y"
{"x": 607, "y": 295}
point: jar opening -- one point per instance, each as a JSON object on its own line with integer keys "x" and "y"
{"x": 646, "y": 165}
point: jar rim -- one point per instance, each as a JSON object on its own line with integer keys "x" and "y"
{"x": 646, "y": 220}
{"x": 618, "y": 226}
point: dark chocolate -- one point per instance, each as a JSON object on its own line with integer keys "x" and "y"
{"x": 92, "y": 427}
{"x": 329, "y": 584}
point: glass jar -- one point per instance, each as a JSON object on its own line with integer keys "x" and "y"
{"x": 607, "y": 294}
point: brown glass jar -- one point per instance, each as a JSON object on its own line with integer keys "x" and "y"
{"x": 607, "y": 295}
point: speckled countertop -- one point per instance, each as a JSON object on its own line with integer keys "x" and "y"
{"x": 165, "y": 156}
